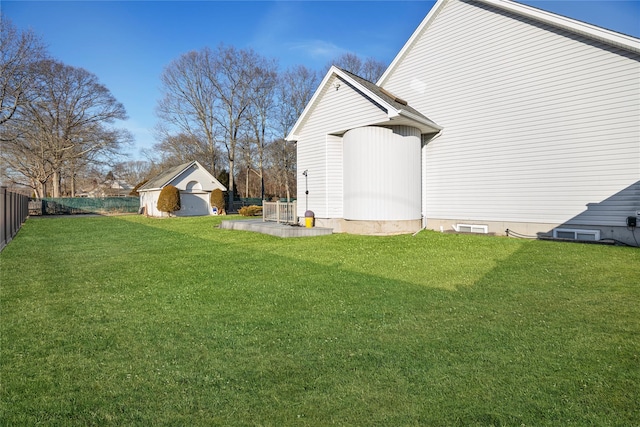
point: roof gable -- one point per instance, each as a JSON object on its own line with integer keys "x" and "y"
{"x": 603, "y": 35}
{"x": 396, "y": 109}
{"x": 168, "y": 176}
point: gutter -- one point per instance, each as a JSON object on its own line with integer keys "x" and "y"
{"x": 420, "y": 119}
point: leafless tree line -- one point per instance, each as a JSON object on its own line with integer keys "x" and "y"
{"x": 228, "y": 108}
{"x": 56, "y": 120}
{"x": 232, "y": 109}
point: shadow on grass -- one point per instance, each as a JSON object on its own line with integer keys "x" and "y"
{"x": 175, "y": 322}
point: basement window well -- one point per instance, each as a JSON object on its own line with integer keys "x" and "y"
{"x": 471, "y": 228}
{"x": 576, "y": 234}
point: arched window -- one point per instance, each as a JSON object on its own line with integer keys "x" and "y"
{"x": 194, "y": 186}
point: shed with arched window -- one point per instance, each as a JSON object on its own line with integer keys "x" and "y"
{"x": 195, "y": 184}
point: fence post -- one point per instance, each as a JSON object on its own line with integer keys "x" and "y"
{"x": 3, "y": 208}
{"x": 295, "y": 212}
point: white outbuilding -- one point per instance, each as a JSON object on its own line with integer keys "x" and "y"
{"x": 195, "y": 184}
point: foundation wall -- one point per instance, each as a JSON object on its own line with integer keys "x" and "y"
{"x": 372, "y": 228}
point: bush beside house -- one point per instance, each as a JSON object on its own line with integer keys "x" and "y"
{"x": 217, "y": 200}
{"x": 169, "y": 199}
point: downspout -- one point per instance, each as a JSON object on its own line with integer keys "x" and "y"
{"x": 423, "y": 218}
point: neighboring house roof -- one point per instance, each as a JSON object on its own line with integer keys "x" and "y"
{"x": 166, "y": 177}
{"x": 108, "y": 187}
{"x": 398, "y": 111}
{"x": 117, "y": 184}
{"x": 593, "y": 32}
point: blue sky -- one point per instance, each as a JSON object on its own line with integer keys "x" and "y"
{"x": 127, "y": 43}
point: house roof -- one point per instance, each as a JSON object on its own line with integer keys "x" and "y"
{"x": 593, "y": 32}
{"x": 396, "y": 108}
{"x": 117, "y": 184}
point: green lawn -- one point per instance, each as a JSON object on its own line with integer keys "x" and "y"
{"x": 137, "y": 321}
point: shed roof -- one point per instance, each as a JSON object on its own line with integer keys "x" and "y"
{"x": 165, "y": 177}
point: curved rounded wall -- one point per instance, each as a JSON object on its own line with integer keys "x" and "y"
{"x": 382, "y": 177}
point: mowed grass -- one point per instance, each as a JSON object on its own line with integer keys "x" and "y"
{"x": 137, "y": 321}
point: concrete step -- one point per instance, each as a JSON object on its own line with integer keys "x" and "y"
{"x": 275, "y": 229}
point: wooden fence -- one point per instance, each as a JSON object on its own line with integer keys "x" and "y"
{"x": 14, "y": 208}
{"x": 281, "y": 212}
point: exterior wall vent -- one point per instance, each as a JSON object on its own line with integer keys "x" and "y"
{"x": 576, "y": 234}
{"x": 471, "y": 228}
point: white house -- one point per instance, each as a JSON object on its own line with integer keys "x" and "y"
{"x": 494, "y": 116}
{"x": 195, "y": 185}
{"x": 109, "y": 188}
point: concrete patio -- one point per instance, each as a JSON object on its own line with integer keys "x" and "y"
{"x": 274, "y": 228}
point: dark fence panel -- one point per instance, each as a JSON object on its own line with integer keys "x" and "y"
{"x": 85, "y": 205}
{"x": 14, "y": 209}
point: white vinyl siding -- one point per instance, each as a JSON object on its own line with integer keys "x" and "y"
{"x": 320, "y": 153}
{"x": 382, "y": 174}
{"x": 539, "y": 125}
{"x": 334, "y": 177}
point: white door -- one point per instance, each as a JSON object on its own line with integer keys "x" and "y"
{"x": 193, "y": 204}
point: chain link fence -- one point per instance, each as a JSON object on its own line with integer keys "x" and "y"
{"x": 84, "y": 205}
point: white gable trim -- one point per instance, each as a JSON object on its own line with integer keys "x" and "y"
{"x": 587, "y": 30}
{"x": 392, "y": 112}
{"x": 416, "y": 34}
{"x": 591, "y": 31}
{"x": 293, "y": 134}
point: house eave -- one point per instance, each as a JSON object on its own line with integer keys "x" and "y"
{"x": 577, "y": 27}
{"x": 424, "y": 124}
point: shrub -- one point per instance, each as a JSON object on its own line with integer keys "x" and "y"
{"x": 169, "y": 199}
{"x": 252, "y": 210}
{"x": 217, "y": 200}
{"x": 134, "y": 192}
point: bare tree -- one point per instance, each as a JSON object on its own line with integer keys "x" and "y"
{"x": 180, "y": 148}
{"x": 370, "y": 69}
{"x": 132, "y": 171}
{"x": 295, "y": 88}
{"x": 347, "y": 61}
{"x": 188, "y": 107}
{"x": 237, "y": 75}
{"x": 260, "y": 115}
{"x": 66, "y": 121}
{"x": 25, "y": 161}
{"x": 19, "y": 52}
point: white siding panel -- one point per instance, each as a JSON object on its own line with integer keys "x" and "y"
{"x": 334, "y": 177}
{"x": 539, "y": 125}
{"x": 320, "y": 153}
{"x": 382, "y": 173}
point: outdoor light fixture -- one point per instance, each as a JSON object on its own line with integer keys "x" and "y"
{"x": 306, "y": 189}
